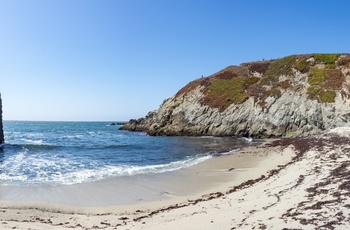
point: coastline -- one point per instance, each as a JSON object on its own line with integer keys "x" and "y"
{"x": 298, "y": 183}
{"x": 218, "y": 172}
{"x": 139, "y": 194}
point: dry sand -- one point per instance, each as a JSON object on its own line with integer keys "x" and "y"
{"x": 301, "y": 183}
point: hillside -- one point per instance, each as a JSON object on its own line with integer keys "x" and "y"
{"x": 296, "y": 95}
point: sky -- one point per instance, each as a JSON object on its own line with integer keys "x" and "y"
{"x": 114, "y": 60}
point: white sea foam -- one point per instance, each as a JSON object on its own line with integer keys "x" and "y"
{"x": 5, "y": 177}
{"x": 89, "y": 175}
{"x": 35, "y": 142}
{"x": 63, "y": 171}
{"x": 73, "y": 136}
{"x": 229, "y": 152}
{"x": 11, "y": 167}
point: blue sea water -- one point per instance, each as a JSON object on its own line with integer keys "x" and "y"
{"x": 63, "y": 153}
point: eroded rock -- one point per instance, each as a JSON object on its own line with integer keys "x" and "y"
{"x": 297, "y": 95}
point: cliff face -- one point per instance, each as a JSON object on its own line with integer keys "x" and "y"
{"x": 296, "y": 95}
{"x": 1, "y": 129}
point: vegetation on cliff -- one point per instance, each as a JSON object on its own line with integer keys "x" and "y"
{"x": 260, "y": 80}
{"x": 221, "y": 93}
{"x": 323, "y": 83}
{"x": 291, "y": 96}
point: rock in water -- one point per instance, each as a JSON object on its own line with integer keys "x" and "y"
{"x": 1, "y": 128}
{"x": 296, "y": 95}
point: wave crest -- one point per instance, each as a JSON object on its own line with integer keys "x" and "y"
{"x": 58, "y": 171}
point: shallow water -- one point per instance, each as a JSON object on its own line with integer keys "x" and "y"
{"x": 62, "y": 153}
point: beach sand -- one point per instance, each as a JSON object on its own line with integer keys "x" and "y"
{"x": 299, "y": 183}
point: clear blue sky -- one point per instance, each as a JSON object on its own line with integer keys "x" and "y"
{"x": 118, "y": 59}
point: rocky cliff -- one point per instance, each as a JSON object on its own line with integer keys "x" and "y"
{"x": 1, "y": 129}
{"x": 296, "y": 95}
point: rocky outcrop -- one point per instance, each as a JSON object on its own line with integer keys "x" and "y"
{"x": 1, "y": 128}
{"x": 296, "y": 95}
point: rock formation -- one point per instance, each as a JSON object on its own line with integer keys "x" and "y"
{"x": 1, "y": 129}
{"x": 296, "y": 95}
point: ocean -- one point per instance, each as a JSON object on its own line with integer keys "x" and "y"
{"x": 66, "y": 153}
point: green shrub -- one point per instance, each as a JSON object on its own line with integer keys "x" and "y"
{"x": 221, "y": 93}
{"x": 282, "y": 66}
{"x": 313, "y": 93}
{"x": 326, "y": 58}
{"x": 324, "y": 83}
{"x": 316, "y": 76}
{"x": 327, "y": 96}
{"x": 300, "y": 65}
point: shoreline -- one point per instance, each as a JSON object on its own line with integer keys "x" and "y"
{"x": 218, "y": 172}
{"x": 184, "y": 187}
{"x": 299, "y": 183}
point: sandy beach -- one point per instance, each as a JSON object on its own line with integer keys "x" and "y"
{"x": 299, "y": 183}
